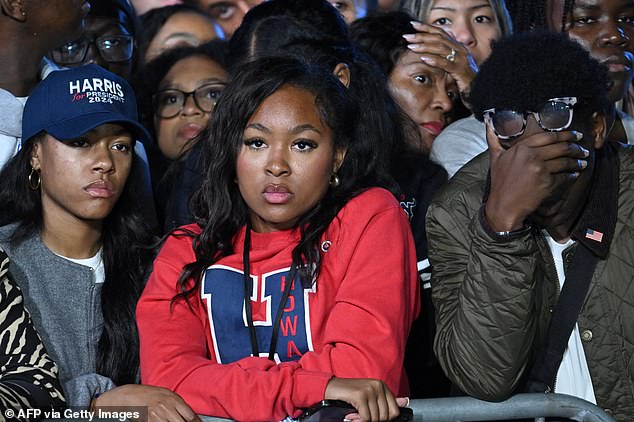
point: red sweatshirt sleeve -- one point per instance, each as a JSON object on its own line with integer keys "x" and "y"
{"x": 362, "y": 336}
{"x": 366, "y": 330}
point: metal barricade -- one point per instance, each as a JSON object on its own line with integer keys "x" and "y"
{"x": 521, "y": 406}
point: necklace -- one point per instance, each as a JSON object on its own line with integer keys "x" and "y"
{"x": 248, "y": 291}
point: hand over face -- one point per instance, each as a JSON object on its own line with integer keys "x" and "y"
{"x": 439, "y": 49}
{"x": 536, "y": 167}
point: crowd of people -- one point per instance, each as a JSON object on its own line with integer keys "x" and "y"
{"x": 240, "y": 208}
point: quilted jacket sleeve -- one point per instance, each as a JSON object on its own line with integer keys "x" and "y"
{"x": 483, "y": 292}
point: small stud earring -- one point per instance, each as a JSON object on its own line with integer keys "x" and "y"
{"x": 334, "y": 180}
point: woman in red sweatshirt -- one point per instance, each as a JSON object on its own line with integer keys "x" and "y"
{"x": 298, "y": 283}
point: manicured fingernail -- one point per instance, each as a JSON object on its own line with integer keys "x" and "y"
{"x": 582, "y": 164}
{"x": 579, "y": 135}
{"x": 409, "y": 37}
{"x": 426, "y": 59}
{"x": 585, "y": 151}
{"x": 414, "y": 23}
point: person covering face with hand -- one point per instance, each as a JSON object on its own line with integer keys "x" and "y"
{"x": 426, "y": 94}
{"x": 456, "y": 35}
{"x": 506, "y": 231}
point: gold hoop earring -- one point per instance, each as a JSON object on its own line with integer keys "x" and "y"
{"x": 334, "y": 180}
{"x": 34, "y": 185}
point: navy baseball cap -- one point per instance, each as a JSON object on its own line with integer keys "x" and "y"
{"x": 71, "y": 102}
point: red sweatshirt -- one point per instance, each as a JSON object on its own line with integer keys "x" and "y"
{"x": 353, "y": 322}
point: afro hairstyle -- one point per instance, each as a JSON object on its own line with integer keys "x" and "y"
{"x": 525, "y": 70}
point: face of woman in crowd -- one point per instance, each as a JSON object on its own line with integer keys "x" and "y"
{"x": 472, "y": 22}
{"x": 82, "y": 178}
{"x": 182, "y": 29}
{"x": 287, "y": 158}
{"x": 606, "y": 29}
{"x": 187, "y": 75}
{"x": 425, "y": 94}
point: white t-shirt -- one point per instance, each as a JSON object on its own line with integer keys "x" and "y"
{"x": 458, "y": 143}
{"x": 573, "y": 376}
{"x": 95, "y": 263}
{"x": 10, "y": 125}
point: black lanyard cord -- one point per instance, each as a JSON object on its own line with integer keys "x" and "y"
{"x": 247, "y": 300}
{"x": 280, "y": 311}
{"x": 248, "y": 291}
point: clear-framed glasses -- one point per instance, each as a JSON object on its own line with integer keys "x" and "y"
{"x": 112, "y": 48}
{"x": 170, "y": 102}
{"x": 553, "y": 116}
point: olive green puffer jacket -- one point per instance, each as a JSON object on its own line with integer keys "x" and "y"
{"x": 493, "y": 295}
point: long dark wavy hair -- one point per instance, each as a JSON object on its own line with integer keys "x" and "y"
{"x": 218, "y": 206}
{"x": 125, "y": 236}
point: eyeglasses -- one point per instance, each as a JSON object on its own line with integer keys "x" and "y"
{"x": 553, "y": 116}
{"x": 112, "y": 48}
{"x": 170, "y": 102}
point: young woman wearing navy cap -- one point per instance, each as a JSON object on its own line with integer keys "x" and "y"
{"x": 73, "y": 227}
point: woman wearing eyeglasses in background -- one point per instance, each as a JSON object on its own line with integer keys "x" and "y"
{"x": 178, "y": 92}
